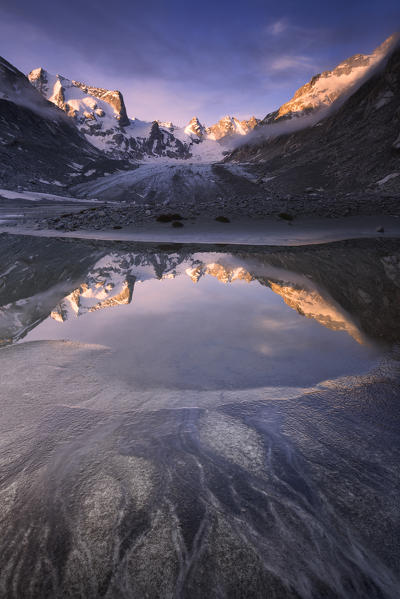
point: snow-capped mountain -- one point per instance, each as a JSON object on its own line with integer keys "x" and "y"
{"x": 327, "y": 87}
{"x": 352, "y": 149}
{"x": 90, "y": 103}
{"x": 40, "y": 148}
{"x": 59, "y": 133}
{"x": 226, "y": 128}
{"x": 90, "y": 298}
{"x": 230, "y": 126}
{"x": 101, "y": 116}
{"x": 195, "y": 128}
{"x": 312, "y": 304}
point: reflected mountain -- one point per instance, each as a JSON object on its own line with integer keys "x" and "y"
{"x": 90, "y": 298}
{"x": 64, "y": 278}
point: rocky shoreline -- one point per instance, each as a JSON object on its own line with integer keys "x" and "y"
{"x": 117, "y": 215}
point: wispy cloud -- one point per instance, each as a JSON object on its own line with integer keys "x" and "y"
{"x": 286, "y": 63}
{"x": 278, "y": 27}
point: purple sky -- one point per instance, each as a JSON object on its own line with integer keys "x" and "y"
{"x": 173, "y": 60}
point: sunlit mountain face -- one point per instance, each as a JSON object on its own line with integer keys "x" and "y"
{"x": 101, "y": 116}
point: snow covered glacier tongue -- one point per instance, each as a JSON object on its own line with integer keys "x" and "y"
{"x": 120, "y": 486}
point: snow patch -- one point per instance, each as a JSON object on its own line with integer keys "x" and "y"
{"x": 35, "y": 196}
{"x": 387, "y": 178}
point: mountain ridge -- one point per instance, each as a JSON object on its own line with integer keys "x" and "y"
{"x": 61, "y": 133}
{"x": 354, "y": 149}
{"x": 115, "y": 133}
{"x": 327, "y": 87}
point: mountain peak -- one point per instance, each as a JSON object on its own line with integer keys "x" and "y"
{"x": 195, "y": 128}
{"x": 325, "y": 88}
{"x": 229, "y": 126}
{"x": 113, "y": 97}
{"x": 15, "y": 87}
{"x": 64, "y": 93}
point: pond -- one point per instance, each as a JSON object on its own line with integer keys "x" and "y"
{"x": 193, "y": 421}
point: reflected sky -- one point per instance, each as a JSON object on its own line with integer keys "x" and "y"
{"x": 176, "y": 333}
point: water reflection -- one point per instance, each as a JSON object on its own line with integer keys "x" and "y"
{"x": 61, "y": 278}
{"x": 190, "y": 445}
{"x": 175, "y": 333}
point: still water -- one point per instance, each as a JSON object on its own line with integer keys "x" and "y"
{"x": 182, "y": 423}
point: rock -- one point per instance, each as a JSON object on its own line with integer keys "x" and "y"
{"x": 167, "y": 218}
{"x": 285, "y": 216}
{"x": 380, "y": 229}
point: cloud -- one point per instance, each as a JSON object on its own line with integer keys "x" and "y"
{"x": 285, "y": 63}
{"x": 278, "y": 27}
{"x": 167, "y": 57}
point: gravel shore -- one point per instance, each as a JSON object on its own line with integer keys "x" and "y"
{"x": 120, "y": 214}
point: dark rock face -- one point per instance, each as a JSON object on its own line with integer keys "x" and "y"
{"x": 15, "y": 87}
{"x": 160, "y": 143}
{"x": 354, "y": 149}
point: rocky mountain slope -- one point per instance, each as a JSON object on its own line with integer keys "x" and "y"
{"x": 326, "y": 88}
{"x": 39, "y": 147}
{"x": 355, "y": 149}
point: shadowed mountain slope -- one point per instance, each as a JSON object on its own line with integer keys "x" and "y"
{"x": 356, "y": 148}
{"x": 40, "y": 148}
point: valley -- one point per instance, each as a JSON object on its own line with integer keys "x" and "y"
{"x": 199, "y": 322}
